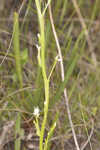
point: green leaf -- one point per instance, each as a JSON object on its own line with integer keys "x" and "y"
{"x": 16, "y": 46}
{"x": 24, "y": 56}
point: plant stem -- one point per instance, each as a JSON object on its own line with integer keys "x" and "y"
{"x": 43, "y": 66}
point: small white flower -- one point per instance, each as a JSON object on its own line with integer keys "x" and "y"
{"x": 38, "y": 47}
{"x": 55, "y": 124}
{"x": 44, "y": 102}
{"x": 38, "y": 35}
{"x": 58, "y": 58}
{"x": 36, "y": 112}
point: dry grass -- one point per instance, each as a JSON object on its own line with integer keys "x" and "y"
{"x": 79, "y": 62}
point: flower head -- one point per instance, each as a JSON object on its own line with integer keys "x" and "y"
{"x": 36, "y": 111}
{"x": 58, "y": 58}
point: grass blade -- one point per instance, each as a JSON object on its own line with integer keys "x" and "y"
{"x": 16, "y": 45}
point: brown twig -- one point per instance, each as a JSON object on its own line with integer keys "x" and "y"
{"x": 62, "y": 76}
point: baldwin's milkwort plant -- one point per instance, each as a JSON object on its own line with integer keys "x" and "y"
{"x": 42, "y": 65}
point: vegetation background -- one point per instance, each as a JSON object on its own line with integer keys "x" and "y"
{"x": 77, "y": 24}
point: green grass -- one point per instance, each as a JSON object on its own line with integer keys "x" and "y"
{"x": 30, "y": 76}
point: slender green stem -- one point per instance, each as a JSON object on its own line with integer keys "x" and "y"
{"x": 46, "y": 81}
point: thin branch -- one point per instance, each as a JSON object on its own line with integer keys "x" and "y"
{"x": 62, "y": 76}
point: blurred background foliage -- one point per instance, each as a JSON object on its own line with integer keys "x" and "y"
{"x": 83, "y": 83}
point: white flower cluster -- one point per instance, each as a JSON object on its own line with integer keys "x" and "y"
{"x": 36, "y": 112}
